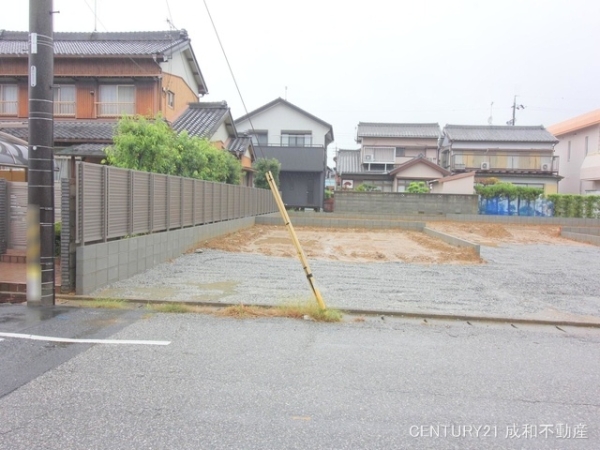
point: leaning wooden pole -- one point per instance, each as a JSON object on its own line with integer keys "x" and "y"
{"x": 300, "y": 252}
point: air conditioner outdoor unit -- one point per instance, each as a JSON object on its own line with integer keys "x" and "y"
{"x": 546, "y": 167}
{"x": 368, "y": 157}
{"x": 485, "y": 166}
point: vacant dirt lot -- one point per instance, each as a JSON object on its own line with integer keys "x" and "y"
{"x": 492, "y": 235}
{"x": 361, "y": 245}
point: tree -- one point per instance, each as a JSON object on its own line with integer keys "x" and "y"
{"x": 144, "y": 145}
{"x": 262, "y": 166}
{"x": 152, "y": 146}
{"x": 418, "y": 187}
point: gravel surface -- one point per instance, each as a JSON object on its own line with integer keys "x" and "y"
{"x": 541, "y": 281}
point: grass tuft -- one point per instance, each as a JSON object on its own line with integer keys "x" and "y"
{"x": 294, "y": 311}
{"x": 179, "y": 308}
{"x": 106, "y": 303}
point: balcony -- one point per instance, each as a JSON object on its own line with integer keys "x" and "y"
{"x": 590, "y": 169}
{"x": 521, "y": 163}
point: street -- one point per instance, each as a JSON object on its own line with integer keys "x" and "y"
{"x": 280, "y": 383}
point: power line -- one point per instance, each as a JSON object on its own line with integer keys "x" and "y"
{"x": 233, "y": 76}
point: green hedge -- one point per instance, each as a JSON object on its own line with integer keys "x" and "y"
{"x": 580, "y": 206}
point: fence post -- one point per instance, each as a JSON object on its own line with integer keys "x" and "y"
{"x": 3, "y": 217}
{"x": 130, "y": 201}
{"x": 151, "y": 202}
{"x": 181, "y": 204}
{"x": 67, "y": 234}
{"x": 79, "y": 237}
{"x": 168, "y": 202}
{"x": 105, "y": 203}
{"x": 194, "y": 203}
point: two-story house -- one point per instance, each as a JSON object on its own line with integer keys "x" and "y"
{"x": 98, "y": 77}
{"x": 391, "y": 156}
{"x": 522, "y": 155}
{"x": 298, "y": 140}
{"x": 579, "y": 152}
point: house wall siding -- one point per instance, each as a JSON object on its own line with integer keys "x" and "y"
{"x": 86, "y": 107}
{"x": 281, "y": 117}
{"x": 146, "y": 99}
{"x": 183, "y": 95}
{"x": 23, "y": 100}
{"x": 459, "y": 186}
{"x": 571, "y": 169}
{"x": 86, "y": 66}
{"x": 179, "y": 65}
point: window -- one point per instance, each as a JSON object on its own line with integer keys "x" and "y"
{"x": 400, "y": 151}
{"x": 64, "y": 100}
{"x": 260, "y": 137}
{"x": 114, "y": 100}
{"x": 9, "y": 94}
{"x": 569, "y": 151}
{"x": 171, "y": 99}
{"x": 382, "y": 155}
{"x": 586, "y": 145}
{"x": 296, "y": 139}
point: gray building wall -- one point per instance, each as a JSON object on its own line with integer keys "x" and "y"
{"x": 404, "y": 203}
{"x": 104, "y": 263}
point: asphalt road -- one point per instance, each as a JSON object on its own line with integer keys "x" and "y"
{"x": 284, "y": 384}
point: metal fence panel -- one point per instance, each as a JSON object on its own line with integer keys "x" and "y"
{"x": 119, "y": 196}
{"x": 140, "y": 202}
{"x": 93, "y": 202}
{"x": 113, "y": 202}
{"x": 230, "y": 197}
{"x": 174, "y": 202}
{"x": 217, "y": 203}
{"x": 209, "y": 215}
{"x": 159, "y": 216}
{"x": 199, "y": 202}
{"x": 187, "y": 195}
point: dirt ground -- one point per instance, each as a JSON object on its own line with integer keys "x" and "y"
{"x": 362, "y": 245}
{"x": 492, "y": 235}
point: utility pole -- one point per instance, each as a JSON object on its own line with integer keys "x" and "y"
{"x": 41, "y": 151}
{"x": 514, "y": 110}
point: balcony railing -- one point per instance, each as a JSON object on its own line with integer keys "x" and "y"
{"x": 509, "y": 163}
{"x": 64, "y": 109}
{"x": 8, "y": 108}
{"x": 112, "y": 109}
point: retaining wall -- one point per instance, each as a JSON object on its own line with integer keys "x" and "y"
{"x": 104, "y": 263}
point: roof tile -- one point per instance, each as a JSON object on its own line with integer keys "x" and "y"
{"x": 399, "y": 130}
{"x": 498, "y": 133}
{"x": 201, "y": 119}
{"x": 98, "y": 44}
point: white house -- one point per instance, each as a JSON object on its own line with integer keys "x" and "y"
{"x": 298, "y": 140}
{"x": 579, "y": 151}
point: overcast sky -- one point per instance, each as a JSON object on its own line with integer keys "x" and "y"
{"x": 441, "y": 61}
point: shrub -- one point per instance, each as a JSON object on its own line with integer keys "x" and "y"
{"x": 418, "y": 187}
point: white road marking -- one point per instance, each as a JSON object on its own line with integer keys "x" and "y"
{"x": 34, "y": 337}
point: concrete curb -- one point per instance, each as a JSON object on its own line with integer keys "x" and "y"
{"x": 370, "y": 312}
{"x": 457, "y": 242}
{"x": 581, "y": 237}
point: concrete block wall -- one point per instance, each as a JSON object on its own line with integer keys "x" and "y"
{"x": 524, "y": 220}
{"x": 108, "y": 262}
{"x": 339, "y": 221}
{"x": 395, "y": 203}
